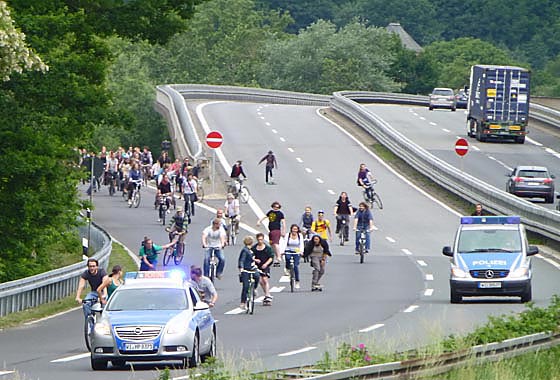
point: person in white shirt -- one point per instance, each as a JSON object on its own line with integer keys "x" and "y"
{"x": 292, "y": 247}
{"x": 214, "y": 240}
{"x": 231, "y": 208}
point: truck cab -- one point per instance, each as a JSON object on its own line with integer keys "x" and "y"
{"x": 490, "y": 256}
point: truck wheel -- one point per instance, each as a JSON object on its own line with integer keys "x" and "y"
{"x": 470, "y": 127}
{"x": 527, "y": 296}
{"x": 520, "y": 139}
{"x": 453, "y": 109}
{"x": 454, "y": 297}
{"x": 549, "y": 199}
{"x": 479, "y": 135}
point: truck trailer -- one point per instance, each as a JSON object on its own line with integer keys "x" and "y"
{"x": 498, "y": 105}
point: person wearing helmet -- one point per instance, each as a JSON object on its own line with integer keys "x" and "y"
{"x": 270, "y": 164}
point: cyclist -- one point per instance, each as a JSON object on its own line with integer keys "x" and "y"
{"x": 204, "y": 286}
{"x": 270, "y": 164}
{"x": 363, "y": 221}
{"x": 214, "y": 239}
{"x": 263, "y": 258}
{"x": 149, "y": 254}
{"x": 111, "y": 283}
{"x": 237, "y": 170}
{"x": 231, "y": 208}
{"x": 134, "y": 180}
{"x": 165, "y": 191}
{"x": 306, "y": 221}
{"x": 293, "y": 248}
{"x": 318, "y": 250}
{"x": 112, "y": 168}
{"x": 246, "y": 262}
{"x": 220, "y": 217}
{"x": 276, "y": 228}
{"x": 178, "y": 224}
{"x": 343, "y": 210}
{"x": 365, "y": 179}
{"x": 190, "y": 187}
{"x": 146, "y": 160}
{"x": 95, "y": 277}
{"x": 322, "y": 226}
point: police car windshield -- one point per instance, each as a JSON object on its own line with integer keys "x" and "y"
{"x": 489, "y": 241}
{"x": 148, "y": 299}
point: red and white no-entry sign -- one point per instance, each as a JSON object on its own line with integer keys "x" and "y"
{"x": 461, "y": 147}
{"x": 214, "y": 139}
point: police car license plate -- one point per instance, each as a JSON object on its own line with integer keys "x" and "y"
{"x": 489, "y": 285}
{"x": 139, "y": 346}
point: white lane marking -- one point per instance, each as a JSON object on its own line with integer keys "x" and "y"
{"x": 274, "y": 131}
{"x": 432, "y": 123}
{"x": 237, "y": 310}
{"x": 267, "y": 124}
{"x": 259, "y": 113}
{"x": 375, "y": 228}
{"x": 414, "y": 113}
{"x": 410, "y": 309}
{"x": 492, "y": 158}
{"x": 291, "y": 150}
{"x": 422, "y": 118}
{"x": 308, "y": 170}
{"x": 284, "y": 278}
{"x": 319, "y": 180}
{"x": 475, "y": 147}
{"x": 277, "y": 289}
{"x": 381, "y": 162}
{"x": 390, "y": 239}
{"x": 528, "y": 139}
{"x": 331, "y": 192}
{"x": 262, "y": 117}
{"x": 551, "y": 262}
{"x": 282, "y": 139}
{"x": 429, "y": 277}
{"x": 445, "y": 130}
{"x": 428, "y": 292}
{"x": 298, "y": 159}
{"x": 422, "y": 263}
{"x": 52, "y": 316}
{"x": 406, "y": 251}
{"x": 6, "y": 372}
{"x": 371, "y": 328}
{"x": 295, "y": 352}
{"x": 71, "y": 358}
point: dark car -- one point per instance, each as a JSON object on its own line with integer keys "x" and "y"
{"x": 461, "y": 99}
{"x": 531, "y": 182}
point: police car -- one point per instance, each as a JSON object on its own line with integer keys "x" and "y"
{"x": 153, "y": 316}
{"x": 490, "y": 257}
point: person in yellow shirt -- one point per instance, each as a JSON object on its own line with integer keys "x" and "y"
{"x": 322, "y": 226}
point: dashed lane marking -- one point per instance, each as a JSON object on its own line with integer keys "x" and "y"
{"x": 300, "y": 351}
{"x": 372, "y": 327}
{"x": 429, "y": 277}
{"x": 267, "y": 124}
{"x": 282, "y": 139}
{"x": 71, "y": 358}
{"x": 277, "y": 289}
{"x": 291, "y": 150}
{"x": 298, "y": 159}
{"x": 428, "y": 292}
{"x": 319, "y": 180}
{"x": 432, "y": 123}
{"x": 445, "y": 130}
{"x": 475, "y": 147}
{"x": 422, "y": 263}
{"x": 390, "y": 239}
{"x": 274, "y": 131}
{"x": 331, "y": 192}
{"x": 406, "y": 251}
{"x": 410, "y": 309}
{"x": 308, "y": 170}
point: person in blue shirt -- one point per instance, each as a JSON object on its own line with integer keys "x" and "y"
{"x": 363, "y": 221}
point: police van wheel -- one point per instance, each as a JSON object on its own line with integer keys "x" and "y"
{"x": 454, "y": 297}
{"x": 527, "y": 295}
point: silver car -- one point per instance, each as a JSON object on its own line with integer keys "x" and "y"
{"x": 154, "y": 318}
{"x": 442, "y": 97}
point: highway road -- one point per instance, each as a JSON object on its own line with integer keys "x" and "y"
{"x": 397, "y": 299}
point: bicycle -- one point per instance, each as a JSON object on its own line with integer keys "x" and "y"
{"x": 343, "y": 230}
{"x": 177, "y": 250}
{"x": 90, "y": 319}
{"x": 135, "y": 198}
{"x": 213, "y": 264}
{"x": 371, "y": 196}
{"x": 362, "y": 245}
{"x": 163, "y": 207}
{"x": 146, "y": 173}
{"x": 292, "y": 271}
{"x": 112, "y": 183}
{"x": 232, "y": 230}
{"x": 252, "y": 288}
{"x": 239, "y": 190}
{"x": 306, "y": 231}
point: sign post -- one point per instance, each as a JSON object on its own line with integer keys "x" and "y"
{"x": 461, "y": 148}
{"x": 214, "y": 140}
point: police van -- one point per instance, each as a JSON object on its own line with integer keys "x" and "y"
{"x": 490, "y": 257}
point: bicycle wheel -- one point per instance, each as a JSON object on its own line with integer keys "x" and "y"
{"x": 88, "y": 328}
{"x": 232, "y": 234}
{"x": 111, "y": 188}
{"x": 377, "y": 200}
{"x": 362, "y": 254}
{"x": 250, "y": 297}
{"x": 180, "y": 253}
{"x": 212, "y": 269}
{"x": 136, "y": 199}
{"x": 244, "y": 194}
{"x": 167, "y": 255}
{"x": 341, "y": 235}
{"x": 292, "y": 277}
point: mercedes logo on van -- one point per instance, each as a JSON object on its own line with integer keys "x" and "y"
{"x": 489, "y": 273}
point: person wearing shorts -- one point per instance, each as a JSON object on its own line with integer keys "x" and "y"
{"x": 263, "y": 258}
{"x": 276, "y": 228}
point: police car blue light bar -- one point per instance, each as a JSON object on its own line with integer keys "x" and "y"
{"x": 490, "y": 220}
{"x": 175, "y": 274}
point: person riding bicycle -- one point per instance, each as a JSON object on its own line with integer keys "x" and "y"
{"x": 178, "y": 224}
{"x": 190, "y": 187}
{"x": 292, "y": 248}
{"x": 110, "y": 283}
{"x": 149, "y": 254}
{"x": 322, "y": 226}
{"x": 165, "y": 191}
{"x": 134, "y": 180}
{"x": 306, "y": 221}
{"x": 203, "y": 286}
{"x": 363, "y": 221}
{"x": 343, "y": 210}
{"x": 214, "y": 239}
{"x": 246, "y": 262}
{"x": 264, "y": 257}
{"x": 94, "y": 276}
{"x": 237, "y": 170}
{"x": 146, "y": 160}
{"x": 112, "y": 168}
{"x": 231, "y": 208}
{"x": 365, "y": 179}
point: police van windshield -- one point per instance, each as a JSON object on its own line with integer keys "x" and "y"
{"x": 489, "y": 241}
{"x": 148, "y": 299}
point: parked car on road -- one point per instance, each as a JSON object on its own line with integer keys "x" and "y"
{"x": 442, "y": 98}
{"x": 531, "y": 182}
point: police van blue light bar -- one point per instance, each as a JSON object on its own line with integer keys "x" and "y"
{"x": 490, "y": 220}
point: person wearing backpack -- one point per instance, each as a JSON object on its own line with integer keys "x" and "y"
{"x": 317, "y": 249}
{"x": 322, "y": 226}
{"x": 292, "y": 247}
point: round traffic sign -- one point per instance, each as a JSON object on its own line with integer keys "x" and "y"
{"x": 461, "y": 147}
{"x": 214, "y": 139}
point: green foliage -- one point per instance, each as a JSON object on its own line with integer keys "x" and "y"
{"x": 349, "y": 356}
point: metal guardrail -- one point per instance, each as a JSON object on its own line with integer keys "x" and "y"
{"x": 545, "y": 114}
{"x": 50, "y": 286}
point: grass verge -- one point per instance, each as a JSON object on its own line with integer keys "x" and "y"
{"x": 118, "y": 256}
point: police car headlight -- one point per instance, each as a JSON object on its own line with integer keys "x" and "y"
{"x": 102, "y": 328}
{"x": 519, "y": 272}
{"x": 457, "y": 272}
{"x": 176, "y": 327}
